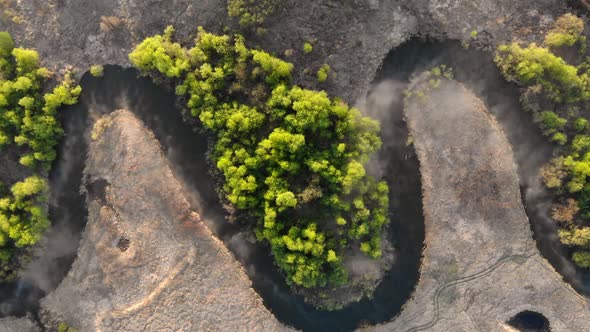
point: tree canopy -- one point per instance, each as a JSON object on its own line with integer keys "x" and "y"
{"x": 292, "y": 158}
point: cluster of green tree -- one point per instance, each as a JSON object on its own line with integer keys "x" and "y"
{"x": 292, "y": 158}
{"x": 251, "y": 13}
{"x": 28, "y": 125}
{"x": 557, "y": 93}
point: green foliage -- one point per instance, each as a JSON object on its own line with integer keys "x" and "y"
{"x": 292, "y": 158}
{"x": 64, "y": 327}
{"x": 559, "y": 138}
{"x": 251, "y": 13}
{"x": 161, "y": 54}
{"x": 580, "y": 124}
{"x": 323, "y": 73}
{"x": 552, "y": 126}
{"x": 96, "y": 70}
{"x": 566, "y": 32}
{"x": 537, "y": 65}
{"x": 28, "y": 125}
{"x": 307, "y": 48}
{"x": 576, "y": 237}
{"x": 276, "y": 70}
{"x": 6, "y": 44}
{"x": 473, "y": 34}
{"x": 582, "y": 259}
{"x": 551, "y": 122}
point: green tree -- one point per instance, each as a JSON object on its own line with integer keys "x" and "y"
{"x": 96, "y": 70}
{"x": 6, "y": 44}
{"x": 567, "y": 31}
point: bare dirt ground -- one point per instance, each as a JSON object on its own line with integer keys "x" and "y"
{"x": 146, "y": 261}
{"x": 481, "y": 265}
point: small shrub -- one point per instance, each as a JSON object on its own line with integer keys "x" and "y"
{"x": 323, "y": 73}
{"x": 96, "y": 70}
{"x": 251, "y": 13}
{"x": 307, "y": 48}
{"x": 580, "y": 124}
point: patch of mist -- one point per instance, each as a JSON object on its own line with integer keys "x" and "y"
{"x": 384, "y": 103}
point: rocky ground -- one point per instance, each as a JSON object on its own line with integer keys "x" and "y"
{"x": 481, "y": 265}
{"x": 146, "y": 261}
{"x": 351, "y": 36}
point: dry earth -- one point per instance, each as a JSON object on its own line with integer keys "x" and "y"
{"x": 146, "y": 261}
{"x": 481, "y": 265}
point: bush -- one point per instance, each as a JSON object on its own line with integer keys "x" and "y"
{"x": 307, "y": 48}
{"x": 292, "y": 159}
{"x": 581, "y": 124}
{"x": 96, "y": 70}
{"x": 536, "y": 65}
{"x": 567, "y": 31}
{"x": 579, "y": 237}
{"x": 582, "y": 259}
{"x": 323, "y": 73}
{"x": 251, "y": 13}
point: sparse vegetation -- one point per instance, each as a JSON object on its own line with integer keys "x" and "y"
{"x": 292, "y": 158}
{"x": 251, "y": 13}
{"x": 307, "y": 48}
{"x": 28, "y": 126}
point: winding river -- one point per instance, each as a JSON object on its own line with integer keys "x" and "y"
{"x": 186, "y": 151}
